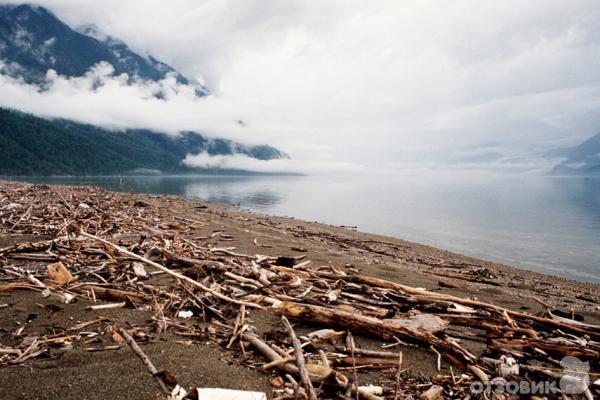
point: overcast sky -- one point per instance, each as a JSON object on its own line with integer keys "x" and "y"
{"x": 379, "y": 84}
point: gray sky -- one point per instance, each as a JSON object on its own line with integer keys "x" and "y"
{"x": 353, "y": 84}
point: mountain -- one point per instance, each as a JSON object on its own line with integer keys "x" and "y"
{"x": 582, "y": 160}
{"x": 31, "y": 145}
{"x": 33, "y": 40}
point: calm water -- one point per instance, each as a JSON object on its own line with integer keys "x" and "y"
{"x": 545, "y": 224}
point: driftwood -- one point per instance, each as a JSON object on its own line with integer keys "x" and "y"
{"x": 429, "y": 296}
{"x": 433, "y": 393}
{"x": 363, "y": 324}
{"x": 168, "y": 271}
{"x": 26, "y": 247}
{"x": 107, "y": 306}
{"x": 145, "y": 359}
{"x": 110, "y": 294}
{"x": 304, "y": 377}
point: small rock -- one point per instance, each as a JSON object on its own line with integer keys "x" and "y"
{"x": 141, "y": 203}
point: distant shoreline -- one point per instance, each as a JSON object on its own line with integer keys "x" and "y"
{"x": 249, "y": 174}
{"x": 523, "y": 257}
{"x": 127, "y": 187}
{"x": 420, "y": 250}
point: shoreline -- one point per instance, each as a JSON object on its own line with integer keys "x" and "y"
{"x": 527, "y": 251}
{"x": 495, "y": 263}
{"x": 203, "y": 226}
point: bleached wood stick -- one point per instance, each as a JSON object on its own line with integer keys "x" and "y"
{"x": 107, "y": 306}
{"x": 275, "y": 363}
{"x": 300, "y": 362}
{"x": 137, "y": 350}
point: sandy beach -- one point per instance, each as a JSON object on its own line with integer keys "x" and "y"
{"x": 90, "y": 369}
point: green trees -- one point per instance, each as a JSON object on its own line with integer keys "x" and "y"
{"x": 31, "y": 145}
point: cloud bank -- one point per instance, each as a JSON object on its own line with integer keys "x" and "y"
{"x": 99, "y": 97}
{"x": 246, "y": 163}
{"x": 389, "y": 85}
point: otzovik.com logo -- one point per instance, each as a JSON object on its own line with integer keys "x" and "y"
{"x": 574, "y": 380}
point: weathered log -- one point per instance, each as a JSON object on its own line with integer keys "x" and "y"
{"x": 385, "y": 329}
{"x": 370, "y": 326}
{"x": 428, "y": 295}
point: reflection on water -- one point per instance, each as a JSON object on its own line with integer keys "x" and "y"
{"x": 540, "y": 223}
{"x": 250, "y": 191}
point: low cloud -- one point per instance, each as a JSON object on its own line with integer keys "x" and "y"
{"x": 246, "y": 163}
{"x": 113, "y": 101}
{"x": 99, "y": 97}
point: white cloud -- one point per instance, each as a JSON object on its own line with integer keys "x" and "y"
{"x": 386, "y": 84}
{"x": 244, "y": 162}
{"x": 101, "y": 98}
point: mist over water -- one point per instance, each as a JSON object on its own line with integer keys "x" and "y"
{"x": 544, "y": 224}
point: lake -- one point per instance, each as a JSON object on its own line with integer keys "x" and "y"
{"x": 544, "y": 224}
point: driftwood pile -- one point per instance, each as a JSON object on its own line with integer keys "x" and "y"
{"x": 94, "y": 246}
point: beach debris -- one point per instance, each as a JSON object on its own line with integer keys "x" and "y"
{"x": 507, "y": 367}
{"x": 107, "y": 306}
{"x": 140, "y": 271}
{"x": 185, "y": 314}
{"x": 113, "y": 252}
{"x": 178, "y": 393}
{"x": 228, "y": 394}
{"x": 421, "y": 323}
{"x": 433, "y": 393}
{"x": 59, "y": 273}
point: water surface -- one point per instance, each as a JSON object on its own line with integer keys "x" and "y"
{"x": 545, "y": 224}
